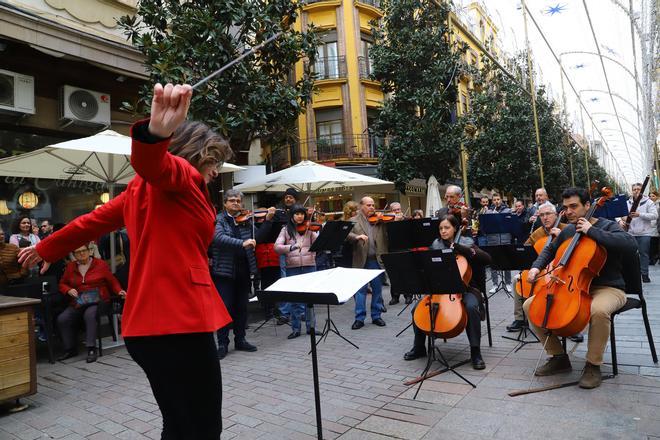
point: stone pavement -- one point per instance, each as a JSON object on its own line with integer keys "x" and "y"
{"x": 269, "y": 395}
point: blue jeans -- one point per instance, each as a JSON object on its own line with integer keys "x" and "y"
{"x": 376, "y": 295}
{"x": 298, "y": 309}
{"x": 644, "y": 245}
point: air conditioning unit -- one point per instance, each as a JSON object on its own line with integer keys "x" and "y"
{"x": 84, "y": 107}
{"x": 16, "y": 92}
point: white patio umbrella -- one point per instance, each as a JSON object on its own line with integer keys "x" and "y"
{"x": 308, "y": 176}
{"x": 433, "y": 200}
{"x": 104, "y": 157}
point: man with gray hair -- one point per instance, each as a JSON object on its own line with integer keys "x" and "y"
{"x": 234, "y": 263}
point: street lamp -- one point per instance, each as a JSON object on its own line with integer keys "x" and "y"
{"x": 28, "y": 200}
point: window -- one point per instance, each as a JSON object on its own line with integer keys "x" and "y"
{"x": 365, "y": 59}
{"x": 327, "y": 61}
{"x": 464, "y": 103}
{"x": 329, "y": 133}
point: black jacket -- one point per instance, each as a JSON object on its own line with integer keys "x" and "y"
{"x": 621, "y": 251}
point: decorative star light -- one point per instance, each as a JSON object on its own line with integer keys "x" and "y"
{"x": 594, "y": 99}
{"x": 556, "y": 9}
{"x": 579, "y": 66}
{"x": 603, "y": 120}
{"x": 609, "y": 50}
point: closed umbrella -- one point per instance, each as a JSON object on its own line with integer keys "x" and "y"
{"x": 433, "y": 200}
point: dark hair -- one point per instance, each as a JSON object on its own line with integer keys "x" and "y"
{"x": 451, "y": 218}
{"x": 16, "y": 226}
{"x": 199, "y": 145}
{"x": 291, "y": 224}
{"x": 497, "y": 195}
{"x": 580, "y": 192}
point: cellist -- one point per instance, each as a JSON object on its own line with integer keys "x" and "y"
{"x": 547, "y": 213}
{"x": 606, "y": 290}
{"x": 472, "y": 298}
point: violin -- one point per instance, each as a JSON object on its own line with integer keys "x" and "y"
{"x": 444, "y": 316}
{"x": 381, "y": 217}
{"x": 308, "y": 226}
{"x": 523, "y": 287}
{"x": 259, "y": 215}
{"x": 562, "y": 303}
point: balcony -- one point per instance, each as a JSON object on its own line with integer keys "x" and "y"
{"x": 374, "y": 3}
{"x": 330, "y": 68}
{"x": 340, "y": 147}
{"x": 365, "y": 68}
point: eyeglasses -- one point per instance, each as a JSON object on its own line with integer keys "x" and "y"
{"x": 233, "y": 201}
{"x": 43, "y": 226}
{"x": 546, "y": 214}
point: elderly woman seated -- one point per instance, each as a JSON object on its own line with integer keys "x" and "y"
{"x": 87, "y": 281}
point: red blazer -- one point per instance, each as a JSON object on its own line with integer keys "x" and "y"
{"x": 170, "y": 223}
{"x": 98, "y": 276}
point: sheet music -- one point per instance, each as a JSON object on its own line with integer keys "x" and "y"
{"x": 340, "y": 281}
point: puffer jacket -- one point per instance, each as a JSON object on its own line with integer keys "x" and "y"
{"x": 644, "y": 225}
{"x": 227, "y": 247}
{"x": 301, "y": 256}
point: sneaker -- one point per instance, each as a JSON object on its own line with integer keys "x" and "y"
{"x": 591, "y": 377}
{"x": 556, "y": 364}
{"x": 646, "y": 279}
{"x": 493, "y": 290}
{"x": 91, "y": 355}
{"x": 508, "y": 288}
{"x": 243, "y": 345}
{"x": 515, "y": 326}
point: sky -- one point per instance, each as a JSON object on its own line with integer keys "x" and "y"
{"x": 566, "y": 26}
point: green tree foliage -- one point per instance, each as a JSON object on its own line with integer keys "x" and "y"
{"x": 503, "y": 154}
{"x": 185, "y": 41}
{"x": 415, "y": 62}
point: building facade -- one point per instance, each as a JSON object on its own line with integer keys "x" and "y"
{"x": 65, "y": 69}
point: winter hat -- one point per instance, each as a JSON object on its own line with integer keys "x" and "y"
{"x": 291, "y": 192}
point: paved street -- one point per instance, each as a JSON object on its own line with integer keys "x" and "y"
{"x": 268, "y": 394}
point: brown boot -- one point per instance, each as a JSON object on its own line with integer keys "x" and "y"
{"x": 555, "y": 365}
{"x": 591, "y": 376}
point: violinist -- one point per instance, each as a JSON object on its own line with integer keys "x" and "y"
{"x": 547, "y": 213}
{"x": 289, "y": 199}
{"x": 369, "y": 243}
{"x": 233, "y": 265}
{"x": 643, "y": 226}
{"x": 455, "y": 206}
{"x": 606, "y": 290}
{"x": 472, "y": 299}
{"x": 294, "y": 242}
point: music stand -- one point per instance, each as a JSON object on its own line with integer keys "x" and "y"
{"x": 500, "y": 224}
{"x": 328, "y": 287}
{"x": 518, "y": 257}
{"x": 428, "y": 271}
{"x": 330, "y": 238}
{"x": 274, "y": 232}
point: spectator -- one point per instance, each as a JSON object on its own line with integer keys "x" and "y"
{"x": 10, "y": 271}
{"x": 417, "y": 214}
{"x": 88, "y": 282}
{"x": 22, "y": 235}
{"x": 45, "y": 229}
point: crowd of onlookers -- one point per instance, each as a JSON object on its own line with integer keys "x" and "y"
{"x": 82, "y": 284}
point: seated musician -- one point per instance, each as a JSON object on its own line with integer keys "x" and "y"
{"x": 472, "y": 299}
{"x": 547, "y": 212}
{"x": 607, "y": 289}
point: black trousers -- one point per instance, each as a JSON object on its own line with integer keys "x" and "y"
{"x": 472, "y": 329}
{"x": 184, "y": 374}
{"x": 268, "y": 276}
{"x": 69, "y": 320}
{"x": 234, "y": 293}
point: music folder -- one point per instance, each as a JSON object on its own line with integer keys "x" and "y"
{"x": 424, "y": 272}
{"x": 511, "y": 257}
{"x": 332, "y": 236}
{"x": 332, "y": 286}
{"x": 412, "y": 233}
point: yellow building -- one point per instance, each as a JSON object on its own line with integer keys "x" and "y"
{"x": 335, "y": 127}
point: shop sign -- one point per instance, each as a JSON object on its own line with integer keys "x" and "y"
{"x": 333, "y": 190}
{"x": 46, "y": 184}
{"x": 415, "y": 189}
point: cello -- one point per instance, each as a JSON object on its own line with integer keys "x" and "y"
{"x": 523, "y": 287}
{"x": 562, "y": 303}
{"x": 444, "y": 316}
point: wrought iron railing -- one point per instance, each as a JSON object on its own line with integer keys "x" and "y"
{"x": 330, "y": 67}
{"x": 374, "y": 3}
{"x": 365, "y": 67}
{"x": 335, "y": 147}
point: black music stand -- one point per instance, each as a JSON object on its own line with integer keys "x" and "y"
{"x": 423, "y": 272}
{"x": 517, "y": 257}
{"x": 271, "y": 238}
{"x": 500, "y": 224}
{"x": 316, "y": 289}
{"x": 331, "y": 237}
